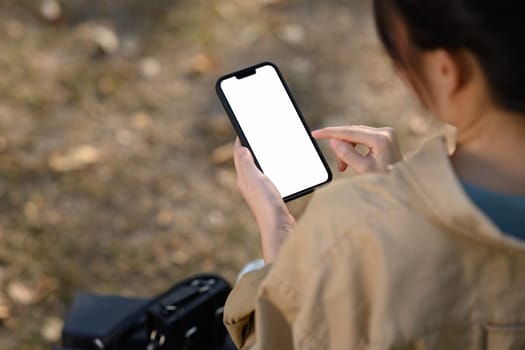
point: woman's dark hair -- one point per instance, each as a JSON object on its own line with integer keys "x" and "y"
{"x": 493, "y": 30}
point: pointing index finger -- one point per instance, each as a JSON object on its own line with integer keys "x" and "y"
{"x": 350, "y": 134}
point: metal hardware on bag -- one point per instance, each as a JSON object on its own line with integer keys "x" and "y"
{"x": 219, "y": 314}
{"x": 190, "y": 332}
{"x": 156, "y": 341}
{"x": 219, "y": 311}
{"x": 151, "y": 346}
{"x": 169, "y": 309}
{"x": 210, "y": 282}
{"x": 99, "y": 344}
{"x": 195, "y": 283}
{"x": 204, "y": 289}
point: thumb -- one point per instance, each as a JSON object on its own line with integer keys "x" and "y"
{"x": 346, "y": 153}
{"x": 242, "y": 158}
{"x": 245, "y": 163}
{"x": 342, "y": 166}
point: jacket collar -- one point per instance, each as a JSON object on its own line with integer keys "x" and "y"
{"x": 437, "y": 184}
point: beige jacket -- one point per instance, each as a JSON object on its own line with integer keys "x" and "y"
{"x": 393, "y": 261}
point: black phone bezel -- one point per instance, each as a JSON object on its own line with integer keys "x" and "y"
{"x": 245, "y": 72}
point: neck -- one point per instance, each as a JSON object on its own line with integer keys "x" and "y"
{"x": 491, "y": 152}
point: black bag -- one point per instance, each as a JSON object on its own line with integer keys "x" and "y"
{"x": 186, "y": 317}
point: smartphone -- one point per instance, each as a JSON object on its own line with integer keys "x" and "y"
{"x": 266, "y": 118}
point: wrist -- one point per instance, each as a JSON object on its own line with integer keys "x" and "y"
{"x": 273, "y": 235}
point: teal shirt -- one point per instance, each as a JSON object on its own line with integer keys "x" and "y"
{"x": 507, "y": 212}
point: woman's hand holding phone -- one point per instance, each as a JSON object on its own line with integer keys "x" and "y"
{"x": 266, "y": 204}
{"x": 383, "y": 149}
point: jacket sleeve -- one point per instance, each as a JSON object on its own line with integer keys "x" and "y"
{"x": 326, "y": 308}
{"x": 323, "y": 288}
{"x": 319, "y": 293}
{"x": 240, "y": 307}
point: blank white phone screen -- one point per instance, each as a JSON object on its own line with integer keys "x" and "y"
{"x": 274, "y": 131}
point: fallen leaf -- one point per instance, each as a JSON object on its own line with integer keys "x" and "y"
{"x": 51, "y": 10}
{"x": 20, "y": 293}
{"x": 291, "y": 33}
{"x": 52, "y": 328}
{"x": 149, "y": 67}
{"x": 103, "y": 36}
{"x": 202, "y": 63}
{"x": 222, "y": 154}
{"x": 77, "y": 158}
{"x": 141, "y": 120}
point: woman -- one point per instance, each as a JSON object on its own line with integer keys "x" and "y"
{"x": 426, "y": 253}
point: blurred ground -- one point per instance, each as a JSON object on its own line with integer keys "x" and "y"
{"x": 115, "y": 174}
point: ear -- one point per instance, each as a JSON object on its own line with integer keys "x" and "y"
{"x": 445, "y": 75}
